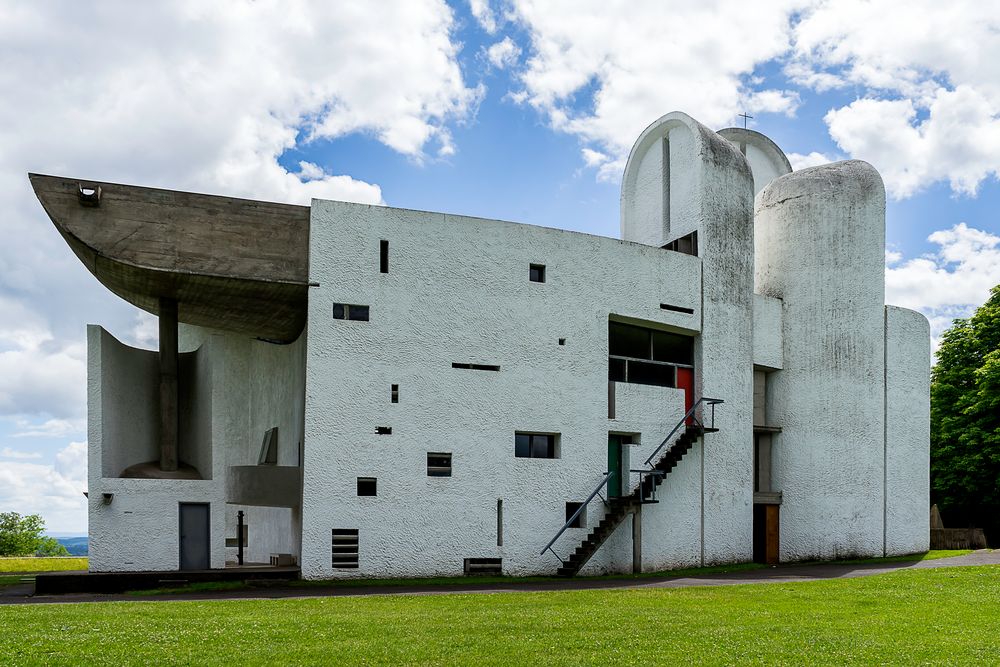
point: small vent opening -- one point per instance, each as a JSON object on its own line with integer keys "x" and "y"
{"x": 345, "y": 548}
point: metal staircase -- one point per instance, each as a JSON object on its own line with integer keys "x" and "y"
{"x": 644, "y": 493}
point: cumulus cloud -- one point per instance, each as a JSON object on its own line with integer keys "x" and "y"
{"x": 949, "y": 282}
{"x": 603, "y": 70}
{"x": 54, "y": 491}
{"x": 484, "y": 15}
{"x": 930, "y": 105}
{"x": 813, "y": 159}
{"x": 504, "y": 53}
{"x": 192, "y": 96}
{"x": 9, "y": 453}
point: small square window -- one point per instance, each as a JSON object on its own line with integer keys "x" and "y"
{"x": 535, "y": 445}
{"x": 439, "y": 464}
{"x": 536, "y": 273}
{"x": 581, "y": 520}
{"x": 367, "y": 486}
{"x": 358, "y": 313}
{"x": 340, "y": 311}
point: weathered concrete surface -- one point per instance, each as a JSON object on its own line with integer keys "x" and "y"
{"x": 230, "y": 263}
{"x": 819, "y": 246}
{"x": 458, "y": 291}
{"x": 766, "y": 160}
{"x": 682, "y": 177}
{"x": 907, "y": 431}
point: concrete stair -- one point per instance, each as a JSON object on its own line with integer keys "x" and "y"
{"x": 622, "y": 506}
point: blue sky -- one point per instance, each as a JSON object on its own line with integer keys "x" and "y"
{"x": 511, "y": 109}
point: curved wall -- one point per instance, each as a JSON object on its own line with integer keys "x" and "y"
{"x": 819, "y": 241}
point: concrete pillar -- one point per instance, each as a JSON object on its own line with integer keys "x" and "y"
{"x": 637, "y": 540}
{"x": 168, "y": 385}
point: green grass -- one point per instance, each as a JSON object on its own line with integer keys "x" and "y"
{"x": 31, "y": 564}
{"x": 945, "y": 615}
{"x": 934, "y": 554}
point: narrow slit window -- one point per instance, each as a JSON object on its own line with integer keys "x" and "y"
{"x": 536, "y": 273}
{"x": 367, "y": 486}
{"x": 677, "y": 309}
{"x": 439, "y": 464}
{"x": 350, "y": 311}
{"x": 394, "y": 394}
{"x": 383, "y": 256}
{"x": 476, "y": 367}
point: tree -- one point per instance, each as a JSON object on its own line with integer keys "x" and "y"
{"x": 965, "y": 419}
{"x": 22, "y": 536}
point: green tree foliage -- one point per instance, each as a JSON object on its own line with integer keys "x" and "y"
{"x": 965, "y": 417}
{"x": 22, "y": 536}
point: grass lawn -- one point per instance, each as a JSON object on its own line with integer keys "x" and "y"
{"x": 946, "y": 615}
{"x": 31, "y": 564}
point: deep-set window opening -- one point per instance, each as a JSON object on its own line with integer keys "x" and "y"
{"x": 536, "y": 445}
{"x": 647, "y": 356}
{"x": 367, "y": 486}
{"x": 350, "y": 311}
{"x": 439, "y": 464}
{"x": 536, "y": 273}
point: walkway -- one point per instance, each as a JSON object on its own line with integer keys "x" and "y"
{"x": 781, "y": 574}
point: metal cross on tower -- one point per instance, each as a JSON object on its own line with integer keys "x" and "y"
{"x": 745, "y": 118}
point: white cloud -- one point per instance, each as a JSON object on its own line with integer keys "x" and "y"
{"x": 192, "y": 96}
{"x": 54, "y": 491}
{"x": 813, "y": 159}
{"x": 931, "y": 85}
{"x": 603, "y": 70}
{"x": 948, "y": 283}
{"x": 9, "y": 453}
{"x": 38, "y": 374}
{"x": 504, "y": 53}
{"x": 50, "y": 428}
{"x": 484, "y": 15}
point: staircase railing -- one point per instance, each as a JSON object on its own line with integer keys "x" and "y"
{"x": 569, "y": 522}
{"x": 691, "y": 414}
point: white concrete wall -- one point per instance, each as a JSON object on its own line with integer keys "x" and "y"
{"x": 458, "y": 291}
{"x": 766, "y": 160}
{"x": 139, "y": 529}
{"x": 907, "y": 431}
{"x": 768, "y": 344}
{"x": 711, "y": 192}
{"x": 819, "y": 246}
{"x": 230, "y": 387}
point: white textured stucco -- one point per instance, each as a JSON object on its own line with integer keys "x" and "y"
{"x": 457, "y": 291}
{"x": 767, "y": 332}
{"x": 908, "y": 431}
{"x": 230, "y": 387}
{"x": 820, "y": 240}
{"x": 767, "y": 161}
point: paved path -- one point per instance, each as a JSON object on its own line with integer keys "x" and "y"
{"x": 780, "y": 574}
